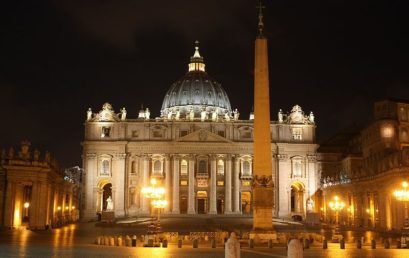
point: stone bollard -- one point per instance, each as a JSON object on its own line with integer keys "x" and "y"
{"x": 213, "y": 243}
{"x": 134, "y": 241}
{"x": 112, "y": 241}
{"x": 306, "y": 243}
{"x": 232, "y": 247}
{"x": 386, "y": 244}
{"x": 295, "y": 249}
{"x": 119, "y": 241}
{"x": 179, "y": 243}
{"x": 358, "y": 244}
{"x": 98, "y": 241}
{"x": 106, "y": 240}
{"x": 324, "y": 244}
{"x": 270, "y": 243}
{"x": 342, "y": 243}
{"x": 195, "y": 243}
{"x": 165, "y": 243}
{"x": 373, "y": 244}
{"x": 128, "y": 241}
{"x": 251, "y": 243}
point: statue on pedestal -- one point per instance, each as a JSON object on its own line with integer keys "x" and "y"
{"x": 203, "y": 115}
{"x": 110, "y": 204}
{"x": 89, "y": 114}
{"x": 147, "y": 114}
{"x": 236, "y": 115}
{"x": 214, "y": 115}
{"x": 170, "y": 114}
{"x": 280, "y": 116}
{"x": 191, "y": 114}
{"x": 227, "y": 116}
{"x": 312, "y": 118}
{"x": 177, "y": 117}
{"x": 123, "y": 114}
{"x": 310, "y": 205}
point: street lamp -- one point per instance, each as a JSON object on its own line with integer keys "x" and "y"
{"x": 403, "y": 195}
{"x": 336, "y": 206}
{"x": 156, "y": 194}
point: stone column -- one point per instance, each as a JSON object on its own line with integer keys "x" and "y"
{"x": 191, "y": 196}
{"x": 145, "y": 183}
{"x": 119, "y": 177}
{"x": 236, "y": 187}
{"x": 175, "y": 195}
{"x": 227, "y": 195}
{"x": 167, "y": 183}
{"x": 90, "y": 168}
{"x": 213, "y": 187}
{"x": 10, "y": 195}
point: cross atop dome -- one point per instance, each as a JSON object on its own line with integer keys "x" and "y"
{"x": 196, "y": 61}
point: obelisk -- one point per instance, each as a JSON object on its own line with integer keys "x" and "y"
{"x": 262, "y": 164}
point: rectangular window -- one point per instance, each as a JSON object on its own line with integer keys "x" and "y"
{"x": 105, "y": 131}
{"x": 221, "y": 133}
{"x": 220, "y": 183}
{"x": 245, "y": 183}
{"x": 183, "y": 182}
{"x": 183, "y": 133}
{"x": 297, "y": 133}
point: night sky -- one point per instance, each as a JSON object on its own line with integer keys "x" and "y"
{"x": 57, "y": 58}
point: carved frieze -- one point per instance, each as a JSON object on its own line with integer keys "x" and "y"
{"x": 263, "y": 181}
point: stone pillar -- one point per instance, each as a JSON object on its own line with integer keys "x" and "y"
{"x": 167, "y": 183}
{"x": 227, "y": 195}
{"x": 10, "y": 195}
{"x": 191, "y": 194}
{"x": 236, "y": 187}
{"x": 145, "y": 183}
{"x": 213, "y": 187}
{"x": 119, "y": 177}
{"x": 90, "y": 168}
{"x": 175, "y": 195}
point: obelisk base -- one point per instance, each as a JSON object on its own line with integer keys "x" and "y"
{"x": 263, "y": 213}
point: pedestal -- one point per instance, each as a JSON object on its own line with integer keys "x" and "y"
{"x": 108, "y": 216}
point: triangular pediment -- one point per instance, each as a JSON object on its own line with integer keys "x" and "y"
{"x": 202, "y": 135}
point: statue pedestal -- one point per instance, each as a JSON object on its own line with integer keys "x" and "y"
{"x": 263, "y": 236}
{"x": 108, "y": 216}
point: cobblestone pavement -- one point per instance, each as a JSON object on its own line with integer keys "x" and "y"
{"x": 76, "y": 240}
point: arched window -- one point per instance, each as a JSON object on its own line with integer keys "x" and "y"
{"x": 183, "y": 167}
{"x": 246, "y": 168}
{"x": 157, "y": 167}
{"x": 220, "y": 167}
{"x": 105, "y": 167}
{"x": 202, "y": 167}
{"x": 297, "y": 168}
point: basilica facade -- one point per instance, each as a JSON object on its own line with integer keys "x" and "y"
{"x": 200, "y": 150}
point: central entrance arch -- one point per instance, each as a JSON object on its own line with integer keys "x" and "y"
{"x": 297, "y": 199}
{"x": 201, "y": 202}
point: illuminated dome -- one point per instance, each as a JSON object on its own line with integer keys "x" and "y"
{"x": 196, "y": 94}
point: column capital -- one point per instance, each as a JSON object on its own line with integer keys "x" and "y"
{"x": 175, "y": 157}
{"x": 120, "y": 156}
{"x": 90, "y": 155}
{"x": 213, "y": 157}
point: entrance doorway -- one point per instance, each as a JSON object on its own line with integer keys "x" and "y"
{"x": 183, "y": 204}
{"x": 220, "y": 206}
{"x": 297, "y": 197}
{"x": 106, "y": 192}
{"x": 246, "y": 202}
{"x": 201, "y": 202}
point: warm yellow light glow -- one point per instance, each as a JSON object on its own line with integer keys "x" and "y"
{"x": 322, "y": 209}
{"x": 387, "y": 131}
{"x": 59, "y": 208}
{"x": 159, "y": 203}
{"x": 17, "y": 219}
{"x": 402, "y": 194}
{"x": 26, "y": 205}
{"x": 73, "y": 207}
{"x": 153, "y": 181}
{"x": 368, "y": 210}
{"x": 337, "y": 205}
{"x": 66, "y": 207}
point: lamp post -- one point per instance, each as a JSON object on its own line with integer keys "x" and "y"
{"x": 336, "y": 206}
{"x": 403, "y": 195}
{"x": 156, "y": 194}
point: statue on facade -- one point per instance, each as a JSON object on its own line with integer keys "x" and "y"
{"x": 227, "y": 116}
{"x": 177, "y": 117}
{"x": 203, "y": 114}
{"x": 89, "y": 114}
{"x": 280, "y": 116}
{"x": 110, "y": 204}
{"x": 36, "y": 155}
{"x": 123, "y": 114}
{"x": 214, "y": 115}
{"x": 147, "y": 114}
{"x": 236, "y": 115}
{"x": 191, "y": 114}
{"x": 170, "y": 114}
{"x": 311, "y": 117}
{"x": 310, "y": 205}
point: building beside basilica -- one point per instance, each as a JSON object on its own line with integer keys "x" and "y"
{"x": 201, "y": 152}
{"x": 363, "y": 167}
{"x": 34, "y": 192}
